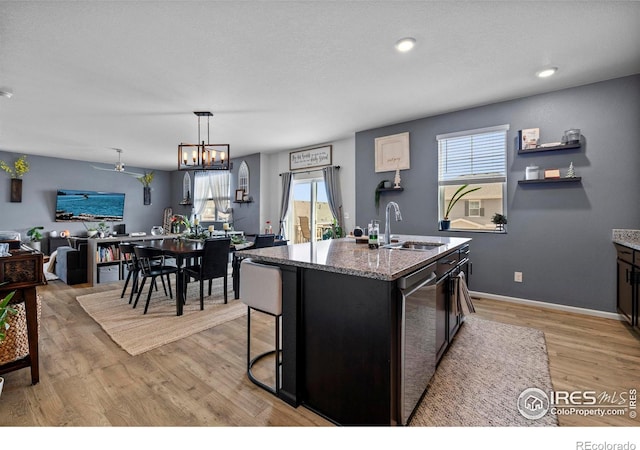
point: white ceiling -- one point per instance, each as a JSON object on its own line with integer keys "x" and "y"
{"x": 88, "y": 76}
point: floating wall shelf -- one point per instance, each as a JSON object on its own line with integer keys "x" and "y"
{"x": 551, "y": 180}
{"x": 548, "y": 149}
{"x": 400, "y": 189}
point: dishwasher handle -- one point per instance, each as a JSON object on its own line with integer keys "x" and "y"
{"x": 418, "y": 279}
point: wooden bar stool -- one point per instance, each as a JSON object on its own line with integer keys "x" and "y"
{"x": 261, "y": 290}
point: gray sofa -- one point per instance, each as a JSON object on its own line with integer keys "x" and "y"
{"x": 71, "y": 263}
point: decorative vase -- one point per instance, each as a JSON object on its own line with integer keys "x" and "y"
{"x": 146, "y": 191}
{"x": 445, "y": 224}
{"x": 16, "y": 190}
{"x": 35, "y": 245}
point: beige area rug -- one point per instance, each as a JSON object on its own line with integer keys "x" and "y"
{"x": 483, "y": 373}
{"x": 137, "y": 333}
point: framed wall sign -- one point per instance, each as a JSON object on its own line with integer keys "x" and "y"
{"x": 392, "y": 152}
{"x": 312, "y": 157}
{"x": 551, "y": 173}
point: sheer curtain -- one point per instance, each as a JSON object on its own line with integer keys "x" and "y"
{"x": 284, "y": 201}
{"x": 201, "y": 186}
{"x": 214, "y": 186}
{"x": 334, "y": 196}
{"x": 220, "y": 188}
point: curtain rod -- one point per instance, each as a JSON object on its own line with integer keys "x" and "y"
{"x": 309, "y": 171}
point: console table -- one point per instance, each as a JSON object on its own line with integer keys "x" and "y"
{"x": 105, "y": 252}
{"x": 22, "y": 272}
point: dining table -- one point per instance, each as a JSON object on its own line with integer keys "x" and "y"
{"x": 182, "y": 250}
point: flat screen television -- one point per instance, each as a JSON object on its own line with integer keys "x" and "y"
{"x": 89, "y": 206}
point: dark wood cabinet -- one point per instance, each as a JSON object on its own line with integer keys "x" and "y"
{"x": 450, "y": 320}
{"x": 625, "y": 301}
{"x": 627, "y": 283}
{"x": 349, "y": 347}
{"x": 345, "y": 340}
{"x": 22, "y": 273}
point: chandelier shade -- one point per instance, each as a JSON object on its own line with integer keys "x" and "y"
{"x": 203, "y": 156}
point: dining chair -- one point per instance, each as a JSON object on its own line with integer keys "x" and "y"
{"x": 151, "y": 264}
{"x": 214, "y": 263}
{"x": 305, "y": 228}
{"x": 264, "y": 240}
{"x": 130, "y": 262}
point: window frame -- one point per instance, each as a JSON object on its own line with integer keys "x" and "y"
{"x": 478, "y": 208}
{"x": 210, "y": 201}
{"x": 497, "y": 177}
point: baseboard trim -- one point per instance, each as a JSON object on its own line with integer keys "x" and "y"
{"x": 539, "y": 304}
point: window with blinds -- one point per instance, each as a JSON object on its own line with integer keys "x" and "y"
{"x": 477, "y": 158}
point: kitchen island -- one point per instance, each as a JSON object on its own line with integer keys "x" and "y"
{"x": 345, "y": 345}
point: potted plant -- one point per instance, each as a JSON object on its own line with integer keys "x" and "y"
{"x": 500, "y": 221}
{"x": 177, "y": 220}
{"x": 380, "y": 185}
{"x": 103, "y": 229}
{"x": 446, "y": 223}
{"x": 35, "y": 236}
{"x": 92, "y": 230}
{"x": 146, "y": 180}
{"x": 5, "y": 310}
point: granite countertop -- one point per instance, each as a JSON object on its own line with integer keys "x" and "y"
{"x": 346, "y": 257}
{"x": 628, "y": 238}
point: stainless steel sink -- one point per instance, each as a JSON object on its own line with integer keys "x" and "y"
{"x": 414, "y": 245}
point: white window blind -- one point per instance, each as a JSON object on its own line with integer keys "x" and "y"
{"x": 474, "y": 156}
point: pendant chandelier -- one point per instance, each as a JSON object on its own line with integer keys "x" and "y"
{"x": 203, "y": 156}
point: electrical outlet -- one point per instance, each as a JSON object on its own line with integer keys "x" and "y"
{"x": 517, "y": 277}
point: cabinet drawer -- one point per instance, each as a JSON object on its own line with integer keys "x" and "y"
{"x": 464, "y": 252}
{"x": 626, "y": 254}
{"x": 447, "y": 263}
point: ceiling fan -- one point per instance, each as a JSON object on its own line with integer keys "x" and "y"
{"x": 119, "y": 166}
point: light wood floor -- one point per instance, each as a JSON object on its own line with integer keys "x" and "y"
{"x": 87, "y": 380}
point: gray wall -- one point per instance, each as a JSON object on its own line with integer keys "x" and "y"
{"x": 246, "y": 215}
{"x": 47, "y": 175}
{"x": 559, "y": 235}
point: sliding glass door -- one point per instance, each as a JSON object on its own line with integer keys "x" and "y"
{"x": 309, "y": 215}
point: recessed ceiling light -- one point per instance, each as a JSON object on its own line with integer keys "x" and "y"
{"x": 405, "y": 44}
{"x": 6, "y": 93}
{"x": 544, "y": 73}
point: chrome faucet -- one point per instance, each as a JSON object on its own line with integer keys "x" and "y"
{"x": 387, "y": 222}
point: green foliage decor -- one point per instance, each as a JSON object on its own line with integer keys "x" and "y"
{"x": 499, "y": 219}
{"x": 377, "y": 197}
{"x": 334, "y": 232}
{"x": 5, "y": 310}
{"x": 457, "y": 196}
{"x": 35, "y": 235}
